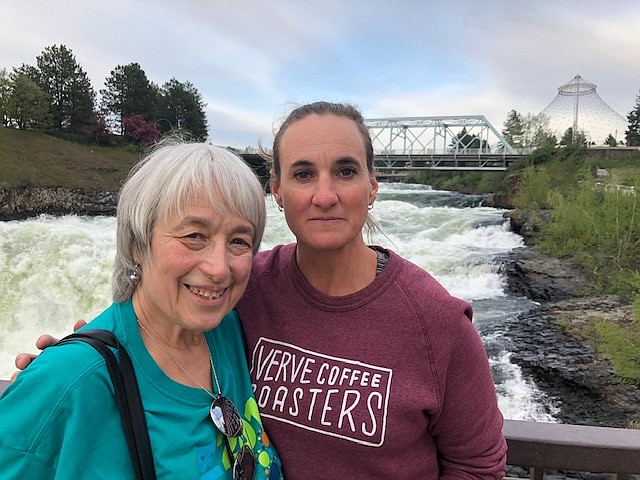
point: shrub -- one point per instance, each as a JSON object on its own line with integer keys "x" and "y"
{"x": 533, "y": 187}
{"x": 139, "y": 130}
{"x": 600, "y": 229}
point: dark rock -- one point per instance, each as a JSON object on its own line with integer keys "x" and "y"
{"x": 551, "y": 342}
{"x": 527, "y": 223}
{"x": 541, "y": 277}
{"x": 21, "y": 203}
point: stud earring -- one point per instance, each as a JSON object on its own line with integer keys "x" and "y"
{"x": 134, "y": 278}
{"x": 281, "y": 208}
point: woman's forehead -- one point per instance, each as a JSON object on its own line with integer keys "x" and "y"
{"x": 322, "y": 134}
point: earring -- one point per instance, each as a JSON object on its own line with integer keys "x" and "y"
{"x": 370, "y": 206}
{"x": 281, "y": 208}
{"x": 135, "y": 275}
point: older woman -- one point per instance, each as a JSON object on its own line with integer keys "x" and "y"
{"x": 190, "y": 219}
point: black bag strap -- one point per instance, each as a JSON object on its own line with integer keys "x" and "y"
{"x": 127, "y": 395}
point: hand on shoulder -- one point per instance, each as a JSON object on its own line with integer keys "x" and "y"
{"x": 23, "y": 360}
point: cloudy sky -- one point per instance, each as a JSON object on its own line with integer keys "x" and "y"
{"x": 252, "y": 60}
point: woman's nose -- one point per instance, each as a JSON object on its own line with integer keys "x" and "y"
{"x": 215, "y": 263}
{"x": 325, "y": 194}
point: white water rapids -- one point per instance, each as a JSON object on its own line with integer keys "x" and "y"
{"x": 57, "y": 270}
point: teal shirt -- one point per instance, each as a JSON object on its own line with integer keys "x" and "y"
{"x": 59, "y": 419}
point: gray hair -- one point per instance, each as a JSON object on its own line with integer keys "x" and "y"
{"x": 164, "y": 182}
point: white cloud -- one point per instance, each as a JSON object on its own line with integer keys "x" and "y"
{"x": 249, "y": 59}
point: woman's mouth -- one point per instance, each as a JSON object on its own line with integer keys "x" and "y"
{"x": 208, "y": 294}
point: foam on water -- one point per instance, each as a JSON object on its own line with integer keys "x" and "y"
{"x": 54, "y": 270}
{"x": 518, "y": 398}
{"x": 57, "y": 270}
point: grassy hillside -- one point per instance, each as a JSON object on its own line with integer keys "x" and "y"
{"x": 596, "y": 223}
{"x": 37, "y": 159}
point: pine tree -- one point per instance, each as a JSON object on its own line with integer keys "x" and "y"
{"x": 633, "y": 134}
{"x": 611, "y": 141}
{"x": 129, "y": 92}
{"x": 68, "y": 86}
{"x": 183, "y": 107}
{"x": 513, "y": 129}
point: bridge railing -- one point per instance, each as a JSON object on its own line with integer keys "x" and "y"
{"x": 449, "y": 152}
{"x": 575, "y": 448}
{"x": 539, "y": 446}
{"x": 433, "y": 161}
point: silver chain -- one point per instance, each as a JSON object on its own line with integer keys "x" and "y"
{"x": 213, "y": 369}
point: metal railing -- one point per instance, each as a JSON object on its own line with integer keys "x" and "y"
{"x": 539, "y": 446}
{"x": 444, "y": 161}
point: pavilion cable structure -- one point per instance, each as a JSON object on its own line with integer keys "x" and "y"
{"x": 579, "y": 107}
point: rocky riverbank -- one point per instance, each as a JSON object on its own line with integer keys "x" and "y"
{"x": 24, "y": 202}
{"x": 551, "y": 342}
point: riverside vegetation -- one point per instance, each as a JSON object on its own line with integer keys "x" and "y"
{"x": 575, "y": 215}
{"x": 594, "y": 222}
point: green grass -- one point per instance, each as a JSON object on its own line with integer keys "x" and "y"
{"x": 39, "y": 160}
{"x": 597, "y": 227}
{"x": 621, "y": 343}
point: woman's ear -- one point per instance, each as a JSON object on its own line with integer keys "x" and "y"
{"x": 373, "y": 192}
{"x": 275, "y": 188}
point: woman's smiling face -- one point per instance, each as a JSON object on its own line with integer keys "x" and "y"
{"x": 198, "y": 268}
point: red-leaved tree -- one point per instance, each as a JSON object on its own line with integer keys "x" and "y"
{"x": 139, "y": 130}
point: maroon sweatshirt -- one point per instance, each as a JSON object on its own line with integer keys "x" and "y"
{"x": 389, "y": 382}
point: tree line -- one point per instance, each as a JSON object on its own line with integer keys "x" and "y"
{"x": 532, "y": 131}
{"x": 56, "y": 95}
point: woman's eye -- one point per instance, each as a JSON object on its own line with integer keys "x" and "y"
{"x": 242, "y": 243}
{"x": 194, "y": 236}
{"x": 347, "y": 172}
{"x": 302, "y": 175}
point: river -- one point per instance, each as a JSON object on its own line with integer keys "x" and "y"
{"x": 57, "y": 269}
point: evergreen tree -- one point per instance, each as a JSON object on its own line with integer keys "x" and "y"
{"x": 183, "y": 107}
{"x": 467, "y": 143}
{"x": 611, "y": 141}
{"x": 129, "y": 92}
{"x": 513, "y": 130}
{"x": 570, "y": 138}
{"x": 68, "y": 86}
{"x": 633, "y": 134}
